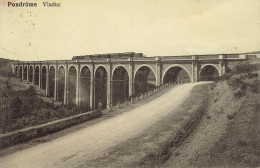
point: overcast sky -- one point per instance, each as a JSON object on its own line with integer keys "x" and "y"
{"x": 153, "y": 27}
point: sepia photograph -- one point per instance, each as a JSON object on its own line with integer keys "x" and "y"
{"x": 129, "y": 83}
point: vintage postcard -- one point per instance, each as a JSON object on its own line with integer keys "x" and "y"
{"x": 129, "y": 83}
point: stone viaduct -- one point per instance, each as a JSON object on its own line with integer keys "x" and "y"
{"x": 109, "y": 78}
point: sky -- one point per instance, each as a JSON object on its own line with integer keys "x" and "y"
{"x": 152, "y": 27}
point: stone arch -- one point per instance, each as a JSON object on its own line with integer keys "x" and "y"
{"x": 52, "y": 66}
{"x": 84, "y": 87}
{"x": 70, "y": 66}
{"x": 127, "y": 70}
{"x": 176, "y": 74}
{"x": 61, "y": 65}
{"x": 30, "y": 73}
{"x": 101, "y": 78}
{"x": 144, "y": 80}
{"x": 145, "y": 65}
{"x": 36, "y": 75}
{"x": 60, "y": 83}
{"x": 209, "y": 65}
{"x": 101, "y": 65}
{"x": 208, "y": 72}
{"x": 72, "y": 78}
{"x": 120, "y": 84}
{"x": 52, "y": 81}
{"x": 25, "y": 71}
{"x": 43, "y": 77}
{"x": 85, "y": 66}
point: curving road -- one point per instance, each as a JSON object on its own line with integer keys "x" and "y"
{"x": 91, "y": 142}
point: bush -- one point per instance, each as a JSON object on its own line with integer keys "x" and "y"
{"x": 234, "y": 82}
{"x": 252, "y": 75}
{"x": 6, "y": 71}
{"x": 30, "y": 92}
{"x": 27, "y": 109}
{"x": 239, "y": 93}
{"x": 16, "y": 104}
{"x": 255, "y": 86}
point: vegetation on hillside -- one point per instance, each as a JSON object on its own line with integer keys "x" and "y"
{"x": 23, "y": 108}
{"x": 240, "y": 145}
{"x": 5, "y": 68}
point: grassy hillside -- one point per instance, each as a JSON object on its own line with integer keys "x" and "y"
{"x": 239, "y": 144}
{"x": 228, "y": 135}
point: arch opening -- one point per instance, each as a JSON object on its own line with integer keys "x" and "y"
{"x": 120, "y": 85}
{"x": 60, "y": 84}
{"x": 20, "y": 72}
{"x": 72, "y": 78}
{"x": 25, "y": 73}
{"x": 52, "y": 82}
{"x": 176, "y": 75}
{"x": 43, "y": 77}
{"x": 36, "y": 76}
{"x": 208, "y": 73}
{"x": 16, "y": 71}
{"x": 84, "y": 86}
{"x": 31, "y": 74}
{"x": 144, "y": 80}
{"x": 101, "y": 87}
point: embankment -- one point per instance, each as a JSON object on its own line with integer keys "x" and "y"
{"x": 238, "y": 145}
{"x": 228, "y": 135}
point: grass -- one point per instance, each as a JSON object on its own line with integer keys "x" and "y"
{"x": 240, "y": 146}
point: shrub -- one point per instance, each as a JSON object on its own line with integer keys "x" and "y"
{"x": 234, "y": 82}
{"x": 6, "y": 71}
{"x": 252, "y": 75}
{"x": 30, "y": 92}
{"x": 16, "y": 104}
{"x": 27, "y": 109}
{"x": 254, "y": 87}
{"x": 239, "y": 93}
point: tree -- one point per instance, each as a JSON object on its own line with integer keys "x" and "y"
{"x": 16, "y": 105}
{"x": 5, "y": 92}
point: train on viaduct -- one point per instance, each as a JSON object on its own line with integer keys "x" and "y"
{"x": 106, "y": 79}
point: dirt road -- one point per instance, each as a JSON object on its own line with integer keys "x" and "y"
{"x": 89, "y": 143}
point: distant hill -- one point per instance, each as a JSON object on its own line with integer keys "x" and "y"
{"x": 255, "y": 52}
{"x": 5, "y": 68}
